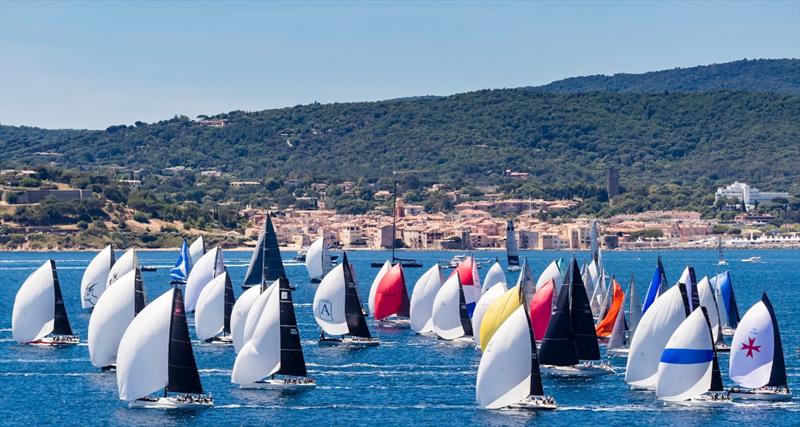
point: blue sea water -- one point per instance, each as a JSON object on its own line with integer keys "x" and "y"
{"x": 409, "y": 379}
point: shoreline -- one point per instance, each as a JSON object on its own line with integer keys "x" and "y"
{"x": 456, "y": 251}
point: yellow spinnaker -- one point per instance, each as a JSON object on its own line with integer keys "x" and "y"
{"x": 497, "y": 313}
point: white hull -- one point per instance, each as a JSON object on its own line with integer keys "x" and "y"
{"x": 351, "y": 342}
{"x": 534, "y": 403}
{"x": 723, "y": 348}
{"x": 618, "y": 351}
{"x": 177, "y": 402}
{"x": 763, "y": 394}
{"x": 718, "y": 398}
{"x": 284, "y": 384}
{"x": 394, "y": 323}
{"x": 57, "y": 340}
{"x": 515, "y": 268}
{"x": 728, "y": 332}
{"x": 581, "y": 370}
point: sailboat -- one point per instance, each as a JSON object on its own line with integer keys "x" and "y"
{"x": 487, "y": 298}
{"x": 266, "y": 264}
{"x": 728, "y": 310}
{"x": 571, "y": 336}
{"x": 406, "y": 262}
{"x": 391, "y": 306}
{"x": 128, "y": 262}
{"x": 512, "y": 253}
{"x": 112, "y": 314}
{"x": 757, "y": 362}
{"x": 373, "y": 289}
{"x": 425, "y": 290}
{"x": 551, "y": 272}
{"x": 688, "y": 371}
{"x": 338, "y": 311}
{"x": 197, "y": 249}
{"x": 212, "y": 317}
{"x": 658, "y": 285}
{"x": 615, "y": 306}
{"x": 635, "y": 307}
{"x": 180, "y": 272}
{"x": 508, "y": 373}
{"x": 705, "y": 294}
{"x": 451, "y": 319}
{"x": 39, "y": 316}
{"x": 494, "y": 276}
{"x": 156, "y": 353}
{"x": 657, "y": 325}
{"x": 274, "y": 348}
{"x": 618, "y": 342}
{"x": 541, "y": 309}
{"x": 721, "y": 252}
{"x": 318, "y": 260}
{"x": 207, "y": 268}
{"x": 249, "y": 303}
{"x": 497, "y": 313}
{"x": 95, "y": 277}
{"x": 467, "y": 271}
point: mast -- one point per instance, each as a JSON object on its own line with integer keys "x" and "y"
{"x": 466, "y": 323}
{"x": 716, "y": 376}
{"x": 292, "y": 360}
{"x": 536, "y": 375}
{"x": 777, "y": 377}
{"x": 182, "y": 368}
{"x": 394, "y": 219}
{"x": 230, "y": 300}
{"x": 581, "y": 316}
{"x": 405, "y": 304}
{"x": 138, "y": 296}
{"x": 353, "y": 312}
{"x": 61, "y": 324}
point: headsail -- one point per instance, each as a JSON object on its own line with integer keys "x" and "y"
{"x": 422, "y": 298}
{"x": 266, "y": 264}
{"x": 658, "y": 285}
{"x": 34, "y": 305}
{"x": 111, "y": 316}
{"x": 95, "y": 277}
{"x": 581, "y": 317}
{"x": 391, "y": 296}
{"x": 180, "y": 272}
{"x": 197, "y": 249}
{"x": 494, "y": 276}
{"x": 606, "y": 325}
{"x": 207, "y": 268}
{"x": 635, "y": 307}
{"x": 686, "y": 364}
{"x": 487, "y": 298}
{"x": 727, "y": 302}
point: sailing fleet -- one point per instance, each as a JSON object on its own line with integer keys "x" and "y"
{"x": 554, "y": 325}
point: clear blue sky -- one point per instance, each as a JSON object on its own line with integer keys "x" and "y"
{"x": 94, "y": 64}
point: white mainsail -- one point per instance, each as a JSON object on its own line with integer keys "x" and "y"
{"x": 34, "y": 306}
{"x": 256, "y": 310}
{"x": 655, "y": 328}
{"x": 504, "y": 372}
{"x": 197, "y": 249}
{"x": 329, "y": 303}
{"x": 753, "y": 348}
{"x": 373, "y": 290}
{"x": 707, "y": 299}
{"x": 209, "y": 316}
{"x": 261, "y": 354}
{"x": 425, "y": 291}
{"x": 94, "y": 279}
{"x": 446, "y": 310}
{"x": 617, "y": 338}
{"x": 129, "y": 261}
{"x": 684, "y": 371}
{"x": 207, "y": 267}
{"x": 241, "y": 308}
{"x": 143, "y": 355}
{"x": 494, "y": 276}
{"x": 111, "y": 316}
{"x": 551, "y": 272}
{"x": 483, "y": 304}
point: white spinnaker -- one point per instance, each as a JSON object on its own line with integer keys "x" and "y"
{"x": 143, "y": 355}
{"x": 494, "y": 276}
{"x": 617, "y": 338}
{"x": 329, "y": 303}
{"x": 111, "y": 316}
{"x": 504, "y": 372}
{"x": 241, "y": 308}
{"x": 95, "y": 277}
{"x": 688, "y": 373}
{"x": 209, "y": 316}
{"x": 551, "y": 272}
{"x": 314, "y": 262}
{"x": 686, "y": 279}
{"x": 422, "y": 300}
{"x": 706, "y": 296}
{"x": 373, "y": 290}
{"x": 261, "y": 355}
{"x": 208, "y": 267}
{"x": 126, "y": 263}
{"x": 753, "y": 348}
{"x": 487, "y": 299}
{"x": 197, "y": 249}
{"x": 655, "y": 328}
{"x": 257, "y": 309}
{"x": 723, "y": 311}
{"x": 34, "y": 306}
{"x": 446, "y": 310}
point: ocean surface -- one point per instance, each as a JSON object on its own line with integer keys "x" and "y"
{"x": 408, "y": 379}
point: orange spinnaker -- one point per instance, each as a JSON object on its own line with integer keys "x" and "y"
{"x": 606, "y": 325}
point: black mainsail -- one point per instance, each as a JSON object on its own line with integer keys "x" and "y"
{"x": 353, "y": 312}
{"x": 777, "y": 377}
{"x": 581, "y": 316}
{"x": 558, "y": 345}
{"x": 139, "y": 299}
{"x": 182, "y": 368}
{"x": 230, "y": 300}
{"x": 266, "y": 264}
{"x": 292, "y": 360}
{"x": 511, "y": 244}
{"x": 61, "y": 324}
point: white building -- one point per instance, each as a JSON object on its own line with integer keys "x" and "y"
{"x": 747, "y": 194}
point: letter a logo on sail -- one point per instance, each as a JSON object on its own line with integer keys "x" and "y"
{"x": 325, "y": 310}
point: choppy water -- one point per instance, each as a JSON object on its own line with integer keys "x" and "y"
{"x": 408, "y": 379}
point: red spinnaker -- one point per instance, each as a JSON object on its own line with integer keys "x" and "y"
{"x": 391, "y": 297}
{"x": 541, "y": 308}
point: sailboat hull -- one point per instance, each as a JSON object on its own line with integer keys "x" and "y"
{"x": 351, "y": 342}
{"x": 220, "y": 340}
{"x": 708, "y": 399}
{"x": 534, "y": 403}
{"x": 395, "y": 323}
{"x": 283, "y": 384}
{"x": 763, "y": 394}
{"x": 728, "y": 331}
{"x": 173, "y": 402}
{"x": 57, "y": 341}
{"x": 618, "y": 351}
{"x": 580, "y": 370}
